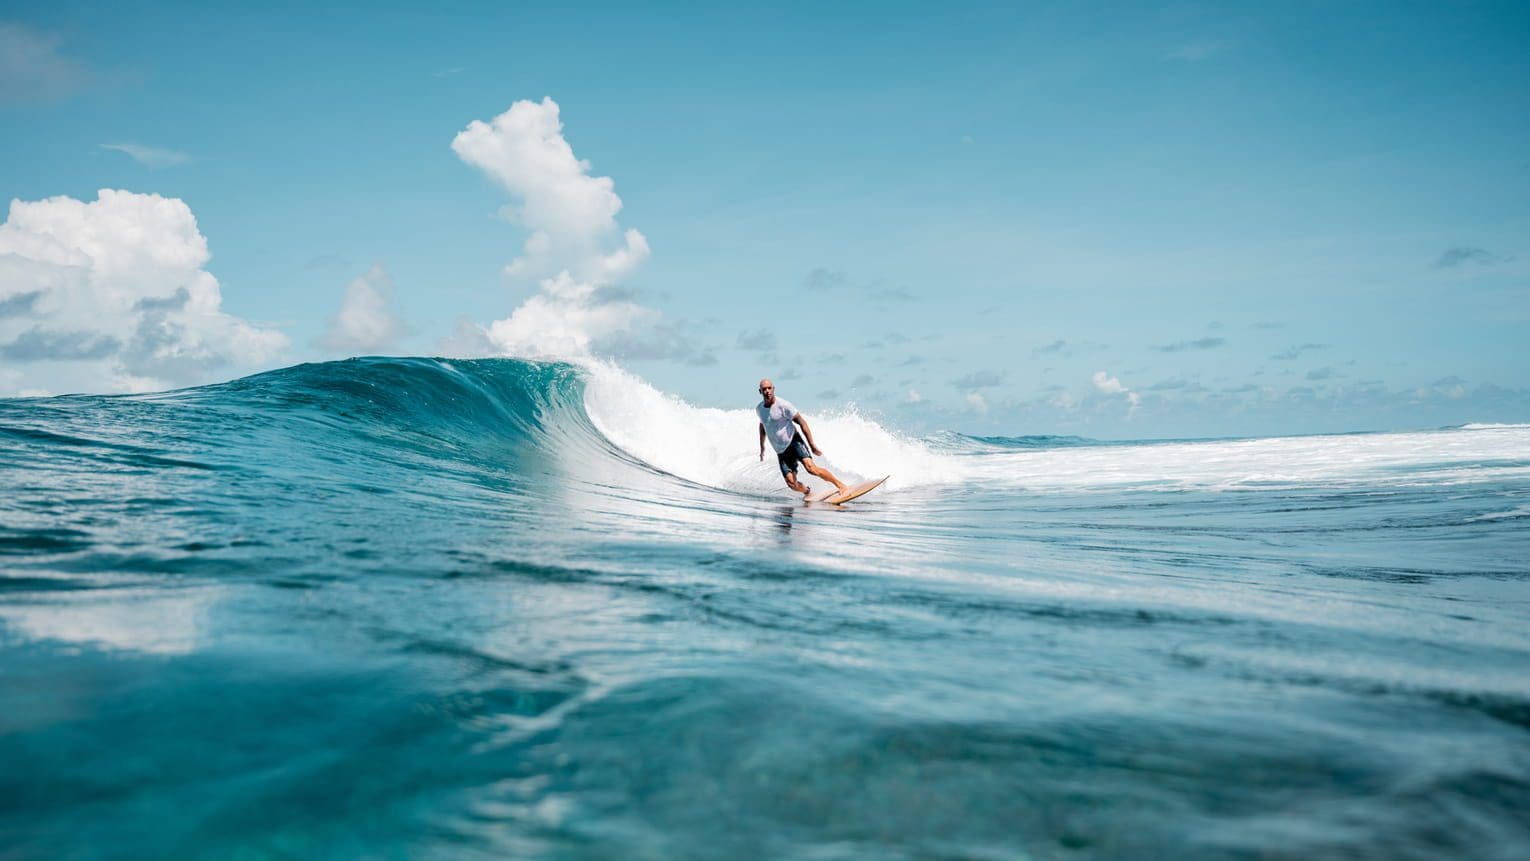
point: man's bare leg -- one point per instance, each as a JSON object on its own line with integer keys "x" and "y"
{"x": 822, "y": 473}
{"x": 798, "y": 486}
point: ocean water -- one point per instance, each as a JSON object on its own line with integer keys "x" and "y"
{"x": 495, "y": 609}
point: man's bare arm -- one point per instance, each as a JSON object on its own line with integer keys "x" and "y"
{"x": 762, "y": 440}
{"x": 807, "y": 434}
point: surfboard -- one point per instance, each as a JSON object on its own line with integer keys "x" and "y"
{"x": 835, "y": 497}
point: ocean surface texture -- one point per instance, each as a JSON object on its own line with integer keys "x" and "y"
{"x": 496, "y": 609}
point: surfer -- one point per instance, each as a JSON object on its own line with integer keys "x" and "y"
{"x": 792, "y": 446}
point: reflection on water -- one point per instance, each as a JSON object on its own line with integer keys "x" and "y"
{"x": 152, "y": 621}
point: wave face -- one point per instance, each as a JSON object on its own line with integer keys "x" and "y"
{"x": 499, "y": 608}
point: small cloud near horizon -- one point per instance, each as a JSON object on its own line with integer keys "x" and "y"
{"x": 982, "y": 379}
{"x": 367, "y": 321}
{"x": 822, "y": 278}
{"x": 1297, "y": 351}
{"x": 1462, "y": 255}
{"x": 893, "y": 294}
{"x": 1197, "y": 344}
{"x": 1109, "y": 385}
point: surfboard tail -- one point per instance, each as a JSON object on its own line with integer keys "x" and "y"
{"x": 849, "y": 493}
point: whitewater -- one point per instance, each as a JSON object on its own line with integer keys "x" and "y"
{"x": 413, "y": 607}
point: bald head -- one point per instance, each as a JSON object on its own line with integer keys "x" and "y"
{"x": 768, "y": 390}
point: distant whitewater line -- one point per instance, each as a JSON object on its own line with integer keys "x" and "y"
{"x": 716, "y": 448}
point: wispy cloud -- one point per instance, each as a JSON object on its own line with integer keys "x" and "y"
{"x": 1451, "y": 387}
{"x": 31, "y": 68}
{"x": 663, "y": 341}
{"x": 1462, "y": 255}
{"x": 1296, "y": 352}
{"x": 149, "y": 156}
{"x": 893, "y": 294}
{"x": 1197, "y": 344}
{"x": 761, "y": 340}
{"x": 1062, "y": 347}
{"x": 824, "y": 279}
{"x": 983, "y": 379}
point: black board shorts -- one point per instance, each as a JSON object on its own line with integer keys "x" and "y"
{"x": 795, "y": 453}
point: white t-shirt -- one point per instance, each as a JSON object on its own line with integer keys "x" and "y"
{"x": 777, "y": 419}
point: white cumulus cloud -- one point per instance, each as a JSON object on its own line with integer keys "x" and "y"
{"x": 565, "y": 319}
{"x": 576, "y": 247}
{"x": 571, "y": 214}
{"x": 1112, "y": 386}
{"x": 110, "y": 295}
{"x": 367, "y": 321}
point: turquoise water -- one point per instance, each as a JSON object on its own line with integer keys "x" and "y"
{"x": 412, "y": 608}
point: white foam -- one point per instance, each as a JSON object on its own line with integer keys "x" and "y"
{"x": 1391, "y": 459}
{"x": 719, "y": 448}
{"x": 1511, "y": 514}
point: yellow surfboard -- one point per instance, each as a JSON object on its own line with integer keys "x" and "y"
{"x": 836, "y": 497}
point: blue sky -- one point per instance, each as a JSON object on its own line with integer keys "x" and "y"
{"x": 1115, "y": 220}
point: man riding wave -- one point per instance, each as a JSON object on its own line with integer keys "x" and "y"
{"x": 791, "y": 438}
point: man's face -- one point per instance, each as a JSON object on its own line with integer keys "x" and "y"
{"x": 768, "y": 390}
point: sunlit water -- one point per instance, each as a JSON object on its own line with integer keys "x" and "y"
{"x": 410, "y": 608}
